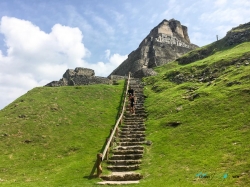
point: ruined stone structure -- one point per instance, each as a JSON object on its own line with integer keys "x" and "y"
{"x": 238, "y": 34}
{"x": 79, "y": 76}
{"x": 166, "y": 42}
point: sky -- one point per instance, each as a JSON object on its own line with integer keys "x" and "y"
{"x": 41, "y": 39}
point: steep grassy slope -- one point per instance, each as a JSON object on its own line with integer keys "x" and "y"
{"x": 234, "y": 37}
{"x": 199, "y": 122}
{"x": 50, "y": 136}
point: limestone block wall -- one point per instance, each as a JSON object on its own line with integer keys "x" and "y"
{"x": 165, "y": 28}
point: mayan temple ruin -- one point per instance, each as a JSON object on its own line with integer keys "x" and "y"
{"x": 166, "y": 42}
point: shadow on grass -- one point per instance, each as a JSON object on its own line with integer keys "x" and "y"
{"x": 92, "y": 175}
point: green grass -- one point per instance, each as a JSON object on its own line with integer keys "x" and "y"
{"x": 50, "y": 136}
{"x": 213, "y": 137}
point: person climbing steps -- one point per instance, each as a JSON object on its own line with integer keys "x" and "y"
{"x": 130, "y": 91}
{"x": 132, "y": 104}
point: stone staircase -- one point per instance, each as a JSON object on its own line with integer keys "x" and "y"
{"x": 128, "y": 146}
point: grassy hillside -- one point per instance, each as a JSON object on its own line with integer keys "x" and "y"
{"x": 50, "y": 136}
{"x": 233, "y": 38}
{"x": 199, "y": 122}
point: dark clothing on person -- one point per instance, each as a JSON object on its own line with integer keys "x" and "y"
{"x": 132, "y": 101}
{"x": 131, "y": 92}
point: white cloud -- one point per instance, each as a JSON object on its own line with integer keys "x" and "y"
{"x": 222, "y": 30}
{"x": 220, "y": 2}
{"x": 241, "y": 3}
{"x": 35, "y": 58}
{"x": 117, "y": 59}
{"x": 225, "y": 12}
{"x": 9, "y": 94}
{"x": 103, "y": 24}
{"x": 104, "y": 69}
{"x": 173, "y": 9}
{"x": 153, "y": 18}
{"x": 131, "y": 10}
{"x": 107, "y": 53}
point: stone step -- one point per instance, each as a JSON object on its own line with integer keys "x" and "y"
{"x": 138, "y": 87}
{"x": 129, "y": 114}
{"x": 134, "y": 122}
{"x": 128, "y": 152}
{"x": 137, "y": 147}
{"x": 139, "y": 94}
{"x": 138, "y": 90}
{"x": 133, "y": 118}
{"x": 124, "y": 162}
{"x": 132, "y": 136}
{"x": 124, "y": 176}
{"x": 139, "y": 97}
{"x": 131, "y": 139}
{"x": 126, "y": 131}
{"x": 135, "y": 84}
{"x": 135, "y": 81}
{"x": 130, "y": 143}
{"x": 137, "y": 106}
{"x": 118, "y": 182}
{"x": 124, "y": 167}
{"x": 133, "y": 129}
{"x": 135, "y": 125}
{"x": 129, "y": 123}
{"x": 131, "y": 132}
{"x": 139, "y": 114}
{"x": 137, "y": 101}
{"x": 128, "y": 149}
{"x": 126, "y": 157}
{"x": 139, "y": 109}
